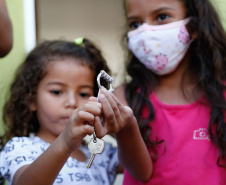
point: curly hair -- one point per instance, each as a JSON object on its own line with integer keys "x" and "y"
{"x": 207, "y": 65}
{"x": 18, "y": 118}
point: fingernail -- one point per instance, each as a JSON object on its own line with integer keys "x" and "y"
{"x": 101, "y": 96}
{"x": 103, "y": 89}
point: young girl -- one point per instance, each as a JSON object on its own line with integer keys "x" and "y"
{"x": 177, "y": 89}
{"x": 50, "y": 97}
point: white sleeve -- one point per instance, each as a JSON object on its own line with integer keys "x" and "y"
{"x": 19, "y": 151}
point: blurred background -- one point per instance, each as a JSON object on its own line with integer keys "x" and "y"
{"x": 102, "y": 21}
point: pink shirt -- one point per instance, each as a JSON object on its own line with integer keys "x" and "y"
{"x": 190, "y": 157}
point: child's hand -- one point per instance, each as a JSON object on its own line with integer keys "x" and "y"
{"x": 80, "y": 124}
{"x": 116, "y": 115}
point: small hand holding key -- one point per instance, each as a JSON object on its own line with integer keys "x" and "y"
{"x": 96, "y": 145}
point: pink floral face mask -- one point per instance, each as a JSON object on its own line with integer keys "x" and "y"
{"x": 160, "y": 48}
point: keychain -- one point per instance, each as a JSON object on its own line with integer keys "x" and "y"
{"x": 96, "y": 145}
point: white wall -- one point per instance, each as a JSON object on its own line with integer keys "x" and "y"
{"x": 29, "y": 25}
{"x": 100, "y": 20}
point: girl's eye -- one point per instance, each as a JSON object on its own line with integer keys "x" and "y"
{"x": 84, "y": 95}
{"x": 162, "y": 17}
{"x": 134, "y": 25}
{"x": 56, "y": 92}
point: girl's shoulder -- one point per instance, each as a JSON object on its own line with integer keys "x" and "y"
{"x": 19, "y": 140}
{"x": 25, "y": 143}
{"x": 18, "y": 152}
{"x": 24, "y": 139}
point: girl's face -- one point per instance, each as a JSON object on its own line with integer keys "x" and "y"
{"x": 153, "y": 12}
{"x": 66, "y": 86}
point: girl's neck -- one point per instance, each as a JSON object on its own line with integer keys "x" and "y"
{"x": 46, "y": 137}
{"x": 175, "y": 88}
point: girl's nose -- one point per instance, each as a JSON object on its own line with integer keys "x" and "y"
{"x": 71, "y": 102}
{"x": 149, "y": 21}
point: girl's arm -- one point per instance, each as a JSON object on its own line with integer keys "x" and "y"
{"x": 133, "y": 153}
{"x": 46, "y": 167}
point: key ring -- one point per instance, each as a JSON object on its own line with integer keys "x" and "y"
{"x": 108, "y": 78}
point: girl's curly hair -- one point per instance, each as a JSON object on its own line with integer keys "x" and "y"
{"x": 207, "y": 65}
{"x": 19, "y": 120}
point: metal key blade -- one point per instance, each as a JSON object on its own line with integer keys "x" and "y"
{"x": 95, "y": 147}
{"x": 91, "y": 160}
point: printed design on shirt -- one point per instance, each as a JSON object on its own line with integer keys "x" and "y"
{"x": 1, "y": 173}
{"x": 102, "y": 171}
{"x": 7, "y": 175}
{"x": 201, "y": 134}
{"x": 80, "y": 177}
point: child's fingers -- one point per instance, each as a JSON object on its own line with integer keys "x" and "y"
{"x": 85, "y": 114}
{"x": 73, "y": 135}
{"x": 111, "y": 111}
{"x": 108, "y": 110}
{"x": 126, "y": 114}
{"x": 100, "y": 130}
{"x": 92, "y": 107}
{"x": 111, "y": 99}
{"x": 119, "y": 116}
{"x": 84, "y": 130}
{"x": 123, "y": 112}
{"x": 86, "y": 117}
{"x": 116, "y": 105}
{"x": 93, "y": 99}
{"x": 80, "y": 123}
{"x": 126, "y": 111}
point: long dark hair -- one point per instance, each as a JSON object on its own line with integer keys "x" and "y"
{"x": 18, "y": 118}
{"x": 207, "y": 65}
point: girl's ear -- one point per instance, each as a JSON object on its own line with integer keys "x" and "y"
{"x": 32, "y": 106}
{"x": 193, "y": 32}
{"x": 194, "y": 35}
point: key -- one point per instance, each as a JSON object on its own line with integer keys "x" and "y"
{"x": 96, "y": 146}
